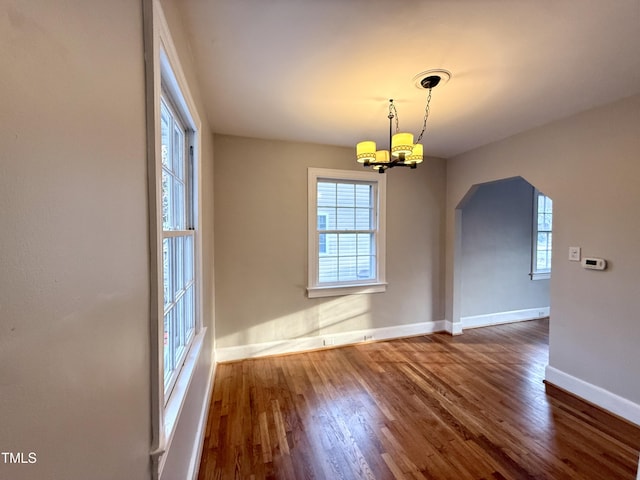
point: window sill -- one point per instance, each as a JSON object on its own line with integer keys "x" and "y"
{"x": 338, "y": 290}
{"x": 540, "y": 276}
{"x": 179, "y": 395}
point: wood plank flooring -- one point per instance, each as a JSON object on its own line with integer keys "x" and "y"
{"x": 431, "y": 407}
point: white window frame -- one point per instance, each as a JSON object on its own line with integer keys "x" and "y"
{"x": 164, "y": 73}
{"x": 378, "y": 284}
{"x": 537, "y": 274}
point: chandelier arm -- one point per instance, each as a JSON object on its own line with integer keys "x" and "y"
{"x": 426, "y": 116}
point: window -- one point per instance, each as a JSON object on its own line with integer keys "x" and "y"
{"x": 346, "y": 232}
{"x": 542, "y": 236}
{"x": 178, "y": 242}
{"x": 173, "y": 161}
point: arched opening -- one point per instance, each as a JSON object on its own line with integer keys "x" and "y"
{"x": 503, "y": 246}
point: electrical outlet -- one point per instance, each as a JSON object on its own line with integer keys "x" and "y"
{"x": 574, "y": 254}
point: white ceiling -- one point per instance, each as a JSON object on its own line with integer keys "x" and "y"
{"x": 323, "y": 70}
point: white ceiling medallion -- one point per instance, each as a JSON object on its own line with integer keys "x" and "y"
{"x": 425, "y": 79}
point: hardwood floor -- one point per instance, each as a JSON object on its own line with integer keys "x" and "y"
{"x": 435, "y": 407}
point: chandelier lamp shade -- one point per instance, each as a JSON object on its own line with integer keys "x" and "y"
{"x": 402, "y": 152}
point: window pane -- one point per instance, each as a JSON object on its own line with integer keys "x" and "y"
{"x": 365, "y": 244}
{"x": 328, "y": 269}
{"x": 165, "y": 134}
{"x": 189, "y": 260}
{"x": 322, "y": 243}
{"x": 166, "y": 200}
{"x": 366, "y": 269}
{"x": 542, "y": 241}
{"x": 190, "y": 312}
{"x": 346, "y": 219}
{"x": 543, "y": 260}
{"x": 326, "y": 194}
{"x": 544, "y": 222}
{"x": 332, "y": 243}
{"x": 347, "y": 244}
{"x": 178, "y": 151}
{"x": 179, "y": 264}
{"x": 175, "y": 337}
{"x": 363, "y": 195}
{"x": 322, "y": 222}
{"x": 179, "y": 206}
{"x": 329, "y": 215}
{"x": 363, "y": 219}
{"x": 545, "y": 204}
{"x": 347, "y": 268}
{"x": 168, "y": 344}
{"x": 346, "y": 195}
{"x": 166, "y": 269}
{"x": 180, "y": 332}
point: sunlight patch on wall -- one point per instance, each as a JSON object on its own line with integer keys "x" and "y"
{"x": 344, "y": 314}
{"x": 329, "y": 315}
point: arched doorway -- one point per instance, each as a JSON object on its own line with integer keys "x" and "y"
{"x": 503, "y": 244}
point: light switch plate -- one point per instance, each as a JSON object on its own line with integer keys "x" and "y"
{"x": 574, "y": 254}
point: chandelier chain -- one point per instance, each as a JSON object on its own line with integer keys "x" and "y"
{"x": 426, "y": 116}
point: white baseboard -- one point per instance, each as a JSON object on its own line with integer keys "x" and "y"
{"x": 474, "y": 321}
{"x": 591, "y": 393}
{"x": 453, "y": 328}
{"x": 293, "y": 345}
{"x": 196, "y": 455}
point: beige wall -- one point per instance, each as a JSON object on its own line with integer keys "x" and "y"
{"x": 589, "y": 165}
{"x": 74, "y": 287}
{"x": 74, "y": 246}
{"x": 261, "y": 245}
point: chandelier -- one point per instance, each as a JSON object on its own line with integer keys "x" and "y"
{"x": 402, "y": 152}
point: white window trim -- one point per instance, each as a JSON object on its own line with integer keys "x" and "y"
{"x": 536, "y": 274}
{"x": 379, "y": 284}
{"x": 163, "y": 69}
